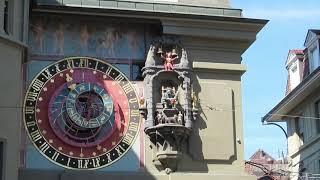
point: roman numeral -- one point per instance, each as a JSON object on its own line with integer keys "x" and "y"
{"x": 128, "y": 138}
{"x": 57, "y": 68}
{"x": 35, "y": 135}
{"x": 83, "y": 163}
{"x": 133, "y": 100}
{"x": 134, "y": 113}
{"x": 119, "y": 78}
{"x": 127, "y": 88}
{"x": 44, "y": 147}
{"x": 119, "y": 150}
{"x": 55, "y": 156}
{"x": 108, "y": 71}
{"x": 109, "y": 157}
{"x": 29, "y": 110}
{"x": 31, "y": 123}
{"x": 70, "y": 64}
{"x": 68, "y": 163}
{"x": 37, "y": 85}
{"x": 133, "y": 126}
{"x": 32, "y": 96}
{"x": 47, "y": 74}
{"x": 84, "y": 63}
{"x": 96, "y": 162}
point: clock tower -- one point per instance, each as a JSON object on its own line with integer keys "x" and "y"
{"x": 117, "y": 89}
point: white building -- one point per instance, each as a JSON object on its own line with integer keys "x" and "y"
{"x": 300, "y": 108}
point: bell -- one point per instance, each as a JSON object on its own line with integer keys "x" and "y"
{"x": 174, "y": 52}
{"x": 160, "y": 50}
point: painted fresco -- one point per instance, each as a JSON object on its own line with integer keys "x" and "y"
{"x": 107, "y": 39}
{"x": 122, "y": 44}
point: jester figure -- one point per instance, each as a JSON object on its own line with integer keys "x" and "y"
{"x": 168, "y": 60}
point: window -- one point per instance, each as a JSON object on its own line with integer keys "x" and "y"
{"x": 314, "y": 57}
{"x": 299, "y": 129}
{"x": 6, "y": 16}
{"x": 294, "y": 75}
{"x": 1, "y": 160}
{"x": 294, "y": 68}
{"x": 317, "y": 115}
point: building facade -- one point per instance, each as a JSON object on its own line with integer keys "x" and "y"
{"x": 116, "y": 89}
{"x": 300, "y": 108}
{"x": 262, "y": 165}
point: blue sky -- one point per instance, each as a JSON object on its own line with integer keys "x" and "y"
{"x": 265, "y": 80}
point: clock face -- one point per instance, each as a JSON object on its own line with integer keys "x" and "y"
{"x": 81, "y": 113}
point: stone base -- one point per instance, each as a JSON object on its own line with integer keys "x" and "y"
{"x": 96, "y": 175}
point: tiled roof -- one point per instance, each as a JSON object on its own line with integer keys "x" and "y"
{"x": 296, "y": 51}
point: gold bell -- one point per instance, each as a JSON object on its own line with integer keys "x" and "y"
{"x": 160, "y": 50}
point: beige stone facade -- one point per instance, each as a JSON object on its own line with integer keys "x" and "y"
{"x": 215, "y": 38}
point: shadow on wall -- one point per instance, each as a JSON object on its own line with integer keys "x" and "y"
{"x": 127, "y": 166}
{"x": 199, "y": 159}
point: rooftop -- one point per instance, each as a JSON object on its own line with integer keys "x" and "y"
{"x": 203, "y": 7}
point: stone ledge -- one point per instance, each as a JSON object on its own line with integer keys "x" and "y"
{"x": 98, "y": 175}
{"x": 163, "y": 7}
{"x": 218, "y": 67}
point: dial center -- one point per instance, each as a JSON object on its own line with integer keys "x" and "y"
{"x": 89, "y": 105}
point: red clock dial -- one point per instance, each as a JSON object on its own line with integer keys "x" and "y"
{"x": 81, "y": 113}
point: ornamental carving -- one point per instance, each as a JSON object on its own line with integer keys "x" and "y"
{"x": 168, "y": 108}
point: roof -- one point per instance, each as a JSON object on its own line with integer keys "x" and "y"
{"x": 261, "y": 155}
{"x": 148, "y": 6}
{"x": 294, "y": 98}
{"x": 296, "y": 51}
{"x": 309, "y": 37}
{"x": 316, "y": 31}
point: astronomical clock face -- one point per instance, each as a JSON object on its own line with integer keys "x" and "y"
{"x": 81, "y": 113}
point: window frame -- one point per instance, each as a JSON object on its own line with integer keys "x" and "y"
{"x": 299, "y": 129}
{"x": 314, "y": 63}
{"x": 317, "y": 115}
{"x": 3, "y": 145}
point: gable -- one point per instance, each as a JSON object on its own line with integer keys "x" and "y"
{"x": 311, "y": 35}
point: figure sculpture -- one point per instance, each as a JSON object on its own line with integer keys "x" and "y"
{"x": 168, "y": 59}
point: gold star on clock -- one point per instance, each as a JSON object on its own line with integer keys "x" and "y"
{"x": 40, "y": 99}
{"x": 113, "y": 143}
{"x": 52, "y": 80}
{"x": 60, "y": 148}
{"x": 104, "y": 150}
{"x": 70, "y": 153}
{"x": 81, "y": 155}
{"x": 94, "y": 72}
{"x": 61, "y": 74}
{"x": 104, "y": 76}
{"x": 44, "y": 132}
{"x": 120, "y": 134}
{"x": 45, "y": 89}
{"x": 37, "y": 110}
{"x": 71, "y": 71}
{"x": 94, "y": 153}
{"x": 50, "y": 141}
{"x": 39, "y": 121}
{"x": 98, "y": 147}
